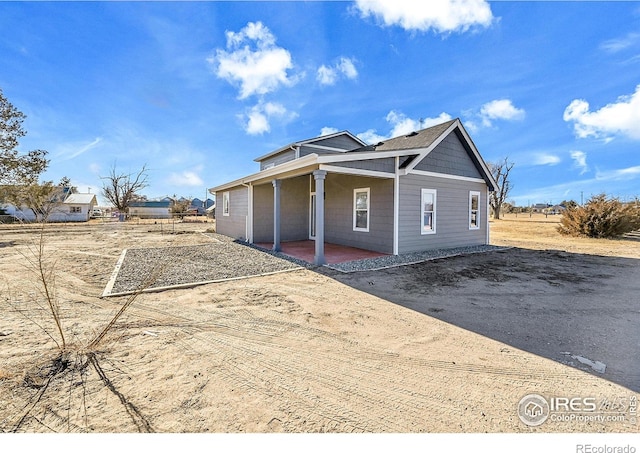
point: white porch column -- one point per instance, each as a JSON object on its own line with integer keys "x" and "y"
{"x": 276, "y": 214}
{"x": 319, "y": 176}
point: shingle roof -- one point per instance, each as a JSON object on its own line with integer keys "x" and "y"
{"x": 415, "y": 140}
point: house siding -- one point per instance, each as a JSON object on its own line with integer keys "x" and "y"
{"x": 235, "y": 224}
{"x": 294, "y": 210}
{"x": 452, "y": 214}
{"x": 341, "y": 142}
{"x": 339, "y": 212}
{"x": 385, "y": 165}
{"x": 450, "y": 157}
{"x": 280, "y": 158}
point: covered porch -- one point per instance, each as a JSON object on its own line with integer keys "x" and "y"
{"x": 333, "y": 253}
{"x": 313, "y": 216}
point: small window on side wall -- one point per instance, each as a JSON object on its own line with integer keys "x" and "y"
{"x": 225, "y": 203}
{"x": 361, "y": 209}
{"x": 474, "y": 210}
{"x": 428, "y": 207}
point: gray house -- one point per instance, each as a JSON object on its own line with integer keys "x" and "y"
{"x": 426, "y": 190}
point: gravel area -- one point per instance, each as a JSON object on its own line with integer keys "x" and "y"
{"x": 409, "y": 258}
{"x": 170, "y": 266}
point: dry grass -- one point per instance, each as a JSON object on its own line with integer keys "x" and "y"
{"x": 539, "y": 232}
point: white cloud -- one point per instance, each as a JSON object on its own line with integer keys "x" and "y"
{"x": 328, "y": 131}
{"x": 500, "y": 109}
{"x": 580, "y": 160}
{"x": 443, "y": 16}
{"x": 71, "y": 150}
{"x": 258, "y": 119}
{"x": 618, "y": 118}
{"x": 402, "y": 125}
{"x": 344, "y": 67}
{"x": 326, "y": 75}
{"x": 620, "y": 44}
{"x": 253, "y": 60}
{"x": 186, "y": 178}
{"x": 619, "y": 175}
{"x": 545, "y": 159}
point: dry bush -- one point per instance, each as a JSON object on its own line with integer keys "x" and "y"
{"x": 68, "y": 358}
{"x": 600, "y": 217}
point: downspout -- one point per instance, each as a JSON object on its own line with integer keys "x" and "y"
{"x": 296, "y": 150}
{"x": 248, "y": 222}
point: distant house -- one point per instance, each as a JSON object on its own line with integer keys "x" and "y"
{"x": 555, "y": 209}
{"x": 150, "y": 209}
{"x": 65, "y": 207}
{"x": 424, "y": 190}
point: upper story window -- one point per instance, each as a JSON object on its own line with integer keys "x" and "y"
{"x": 474, "y": 210}
{"x": 361, "y": 209}
{"x": 225, "y": 203}
{"x": 428, "y": 206}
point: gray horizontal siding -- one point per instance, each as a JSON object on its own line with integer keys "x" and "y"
{"x": 450, "y": 157}
{"x": 341, "y": 141}
{"x": 452, "y": 214}
{"x": 280, "y": 158}
{"x": 385, "y": 165}
{"x": 294, "y": 210}
{"x": 235, "y": 224}
{"x": 339, "y": 212}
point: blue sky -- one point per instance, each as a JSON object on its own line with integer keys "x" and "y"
{"x": 197, "y": 90}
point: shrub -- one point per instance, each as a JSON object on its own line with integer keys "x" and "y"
{"x": 600, "y": 217}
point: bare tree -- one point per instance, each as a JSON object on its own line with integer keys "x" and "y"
{"x": 122, "y": 188}
{"x": 500, "y": 171}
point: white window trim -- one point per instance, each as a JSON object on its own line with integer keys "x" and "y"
{"x": 433, "y": 192}
{"x": 225, "y": 204}
{"x": 356, "y": 191}
{"x": 471, "y": 194}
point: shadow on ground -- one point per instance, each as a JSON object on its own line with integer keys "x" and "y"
{"x": 580, "y": 310}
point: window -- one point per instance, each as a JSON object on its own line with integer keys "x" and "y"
{"x": 76, "y": 209}
{"x": 428, "y": 207}
{"x": 225, "y": 203}
{"x": 474, "y": 210}
{"x": 361, "y": 209}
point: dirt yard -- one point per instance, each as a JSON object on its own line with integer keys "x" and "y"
{"x": 432, "y": 347}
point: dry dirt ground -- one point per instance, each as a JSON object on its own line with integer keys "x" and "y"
{"x": 303, "y": 351}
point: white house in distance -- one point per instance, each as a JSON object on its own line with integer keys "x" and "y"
{"x": 76, "y": 207}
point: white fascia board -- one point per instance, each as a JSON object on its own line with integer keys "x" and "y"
{"x": 432, "y": 146}
{"x": 292, "y": 165}
{"x": 350, "y": 157}
{"x": 356, "y": 171}
{"x": 328, "y": 148}
{"x": 441, "y": 175}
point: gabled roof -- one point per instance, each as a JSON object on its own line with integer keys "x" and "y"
{"x": 415, "y": 140}
{"x": 81, "y": 198}
{"x": 415, "y": 146}
{"x": 309, "y": 141}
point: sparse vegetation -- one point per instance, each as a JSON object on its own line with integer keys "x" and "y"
{"x": 600, "y": 217}
{"x": 69, "y": 357}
